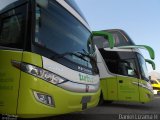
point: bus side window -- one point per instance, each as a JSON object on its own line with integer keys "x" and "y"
{"x": 12, "y": 29}
{"x": 127, "y": 68}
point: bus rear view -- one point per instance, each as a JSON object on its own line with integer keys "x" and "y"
{"x": 46, "y": 67}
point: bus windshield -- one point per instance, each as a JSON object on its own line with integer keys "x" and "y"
{"x": 120, "y": 40}
{"x": 59, "y": 31}
{"x": 143, "y": 67}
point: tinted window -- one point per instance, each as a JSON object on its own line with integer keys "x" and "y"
{"x": 127, "y": 67}
{"x": 111, "y": 60}
{"x": 122, "y": 63}
{"x": 58, "y": 31}
{"x": 143, "y": 67}
{"x": 12, "y": 29}
{"x": 11, "y": 32}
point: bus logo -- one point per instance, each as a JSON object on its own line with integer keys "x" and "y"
{"x": 86, "y": 78}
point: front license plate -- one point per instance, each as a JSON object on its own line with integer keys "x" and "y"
{"x": 84, "y": 101}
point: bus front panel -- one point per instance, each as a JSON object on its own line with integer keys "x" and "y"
{"x": 39, "y": 97}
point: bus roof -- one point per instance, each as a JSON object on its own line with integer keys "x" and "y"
{"x": 130, "y": 41}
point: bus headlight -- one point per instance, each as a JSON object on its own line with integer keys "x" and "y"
{"x": 39, "y": 72}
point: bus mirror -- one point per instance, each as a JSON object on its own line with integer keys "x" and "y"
{"x": 152, "y": 63}
{"x": 106, "y": 35}
{"x": 42, "y": 3}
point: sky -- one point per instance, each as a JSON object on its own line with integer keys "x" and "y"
{"x": 139, "y": 18}
{"x": 5, "y": 2}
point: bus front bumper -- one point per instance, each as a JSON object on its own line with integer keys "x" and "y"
{"x": 63, "y": 101}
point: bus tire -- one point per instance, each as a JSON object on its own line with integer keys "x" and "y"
{"x": 101, "y": 100}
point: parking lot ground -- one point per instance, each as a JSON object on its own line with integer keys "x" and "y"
{"x": 116, "y": 111}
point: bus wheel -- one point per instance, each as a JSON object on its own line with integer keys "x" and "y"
{"x": 101, "y": 100}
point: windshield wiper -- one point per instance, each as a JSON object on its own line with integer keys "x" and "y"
{"x": 77, "y": 54}
{"x": 86, "y": 54}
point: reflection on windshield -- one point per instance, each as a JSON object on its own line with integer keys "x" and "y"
{"x": 75, "y": 7}
{"x": 58, "y": 31}
{"x": 75, "y": 56}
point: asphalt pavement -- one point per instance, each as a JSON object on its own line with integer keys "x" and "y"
{"x": 116, "y": 111}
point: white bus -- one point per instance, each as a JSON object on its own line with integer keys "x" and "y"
{"x": 123, "y": 71}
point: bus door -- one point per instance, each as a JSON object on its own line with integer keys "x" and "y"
{"x": 11, "y": 45}
{"x": 127, "y": 81}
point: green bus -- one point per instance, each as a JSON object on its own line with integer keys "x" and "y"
{"x": 47, "y": 61}
{"x": 123, "y": 71}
